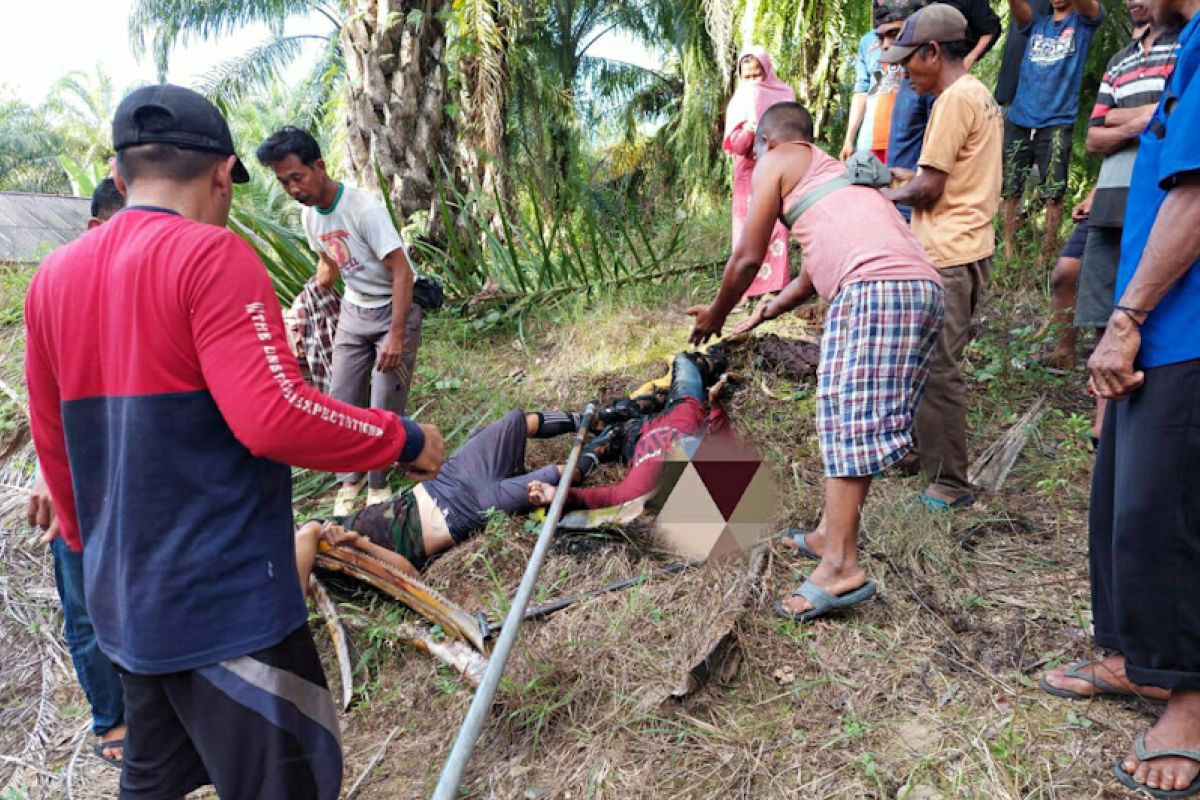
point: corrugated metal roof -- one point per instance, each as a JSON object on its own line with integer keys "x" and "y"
{"x": 31, "y": 225}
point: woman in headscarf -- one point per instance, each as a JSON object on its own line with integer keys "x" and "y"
{"x": 758, "y": 90}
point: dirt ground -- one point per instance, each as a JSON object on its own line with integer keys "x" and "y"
{"x": 928, "y": 691}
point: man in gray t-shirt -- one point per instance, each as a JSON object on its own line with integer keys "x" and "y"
{"x": 379, "y": 326}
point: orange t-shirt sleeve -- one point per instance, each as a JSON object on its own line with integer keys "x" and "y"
{"x": 949, "y": 125}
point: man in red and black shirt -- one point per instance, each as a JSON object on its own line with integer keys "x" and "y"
{"x": 166, "y": 408}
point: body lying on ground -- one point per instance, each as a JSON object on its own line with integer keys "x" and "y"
{"x": 487, "y": 473}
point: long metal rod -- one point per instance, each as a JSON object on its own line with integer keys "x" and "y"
{"x": 481, "y": 704}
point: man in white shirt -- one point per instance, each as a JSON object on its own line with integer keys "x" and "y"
{"x": 353, "y": 235}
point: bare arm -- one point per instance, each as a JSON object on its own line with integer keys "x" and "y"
{"x": 1022, "y": 12}
{"x": 1121, "y": 126}
{"x": 858, "y": 112}
{"x": 978, "y": 51}
{"x": 751, "y": 249}
{"x": 327, "y": 271}
{"x": 392, "y": 352}
{"x": 1088, "y": 8}
{"x": 1171, "y": 252}
{"x": 794, "y": 294}
{"x": 922, "y": 191}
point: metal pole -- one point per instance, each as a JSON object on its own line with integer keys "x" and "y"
{"x": 481, "y": 704}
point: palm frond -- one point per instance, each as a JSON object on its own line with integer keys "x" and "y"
{"x": 158, "y": 25}
{"x": 255, "y": 70}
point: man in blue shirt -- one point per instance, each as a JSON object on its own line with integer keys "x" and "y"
{"x": 1039, "y": 123}
{"x": 1145, "y": 514}
{"x": 866, "y": 64}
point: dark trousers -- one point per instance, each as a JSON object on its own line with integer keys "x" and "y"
{"x": 1145, "y": 529}
{"x": 941, "y": 424}
{"x": 485, "y": 474}
{"x": 101, "y": 683}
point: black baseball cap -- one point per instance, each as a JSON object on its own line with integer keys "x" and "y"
{"x": 169, "y": 114}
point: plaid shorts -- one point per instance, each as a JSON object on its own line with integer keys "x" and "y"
{"x": 875, "y": 356}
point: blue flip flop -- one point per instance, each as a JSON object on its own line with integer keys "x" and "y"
{"x": 799, "y": 537}
{"x": 823, "y": 602}
{"x": 938, "y": 504}
{"x": 1139, "y": 750}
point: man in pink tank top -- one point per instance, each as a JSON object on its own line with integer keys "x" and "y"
{"x": 885, "y": 313}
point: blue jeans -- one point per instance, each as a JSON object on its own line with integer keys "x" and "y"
{"x": 686, "y": 380}
{"x": 99, "y": 680}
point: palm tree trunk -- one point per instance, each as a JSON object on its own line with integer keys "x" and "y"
{"x": 395, "y": 64}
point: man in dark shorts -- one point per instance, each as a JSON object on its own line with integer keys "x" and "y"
{"x": 166, "y": 408}
{"x": 1144, "y": 547}
{"x": 1038, "y": 127}
{"x": 420, "y": 522}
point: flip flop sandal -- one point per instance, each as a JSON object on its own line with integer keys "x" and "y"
{"x": 1103, "y": 687}
{"x": 1139, "y": 750}
{"x": 823, "y": 602}
{"x": 100, "y": 747}
{"x": 938, "y": 504}
{"x": 799, "y": 537}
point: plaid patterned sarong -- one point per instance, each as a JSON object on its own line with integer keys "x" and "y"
{"x": 312, "y": 321}
{"x": 875, "y": 356}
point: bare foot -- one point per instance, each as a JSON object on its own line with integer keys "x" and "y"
{"x": 112, "y": 735}
{"x": 1111, "y": 671}
{"x": 1179, "y": 727}
{"x": 832, "y": 580}
{"x": 1057, "y": 359}
{"x": 814, "y": 540}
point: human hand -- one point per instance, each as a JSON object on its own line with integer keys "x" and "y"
{"x": 429, "y": 462}
{"x": 847, "y": 151}
{"x": 40, "y": 513}
{"x": 390, "y": 354}
{"x": 1111, "y": 365}
{"x": 706, "y": 326}
{"x": 754, "y": 320}
{"x": 541, "y": 494}
{"x": 336, "y": 535}
{"x": 714, "y": 391}
{"x": 1082, "y": 209}
{"x": 327, "y": 272}
{"x": 901, "y": 176}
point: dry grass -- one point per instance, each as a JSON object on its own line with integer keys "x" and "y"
{"x": 928, "y": 691}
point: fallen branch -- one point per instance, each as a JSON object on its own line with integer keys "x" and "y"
{"x": 723, "y": 642}
{"x": 454, "y": 654}
{"x": 371, "y": 764}
{"x": 408, "y": 590}
{"x": 991, "y": 469}
{"x": 337, "y": 632}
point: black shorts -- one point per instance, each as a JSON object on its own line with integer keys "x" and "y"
{"x": 1049, "y": 148}
{"x": 257, "y": 727}
{"x": 1075, "y": 245}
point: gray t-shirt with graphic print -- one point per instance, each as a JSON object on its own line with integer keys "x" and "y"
{"x": 356, "y": 234}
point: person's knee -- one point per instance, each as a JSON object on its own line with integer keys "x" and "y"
{"x": 1065, "y": 274}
